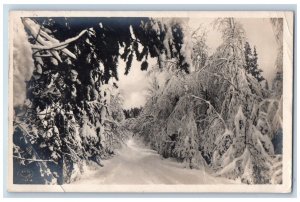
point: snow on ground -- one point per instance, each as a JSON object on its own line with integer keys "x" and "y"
{"x": 136, "y": 164}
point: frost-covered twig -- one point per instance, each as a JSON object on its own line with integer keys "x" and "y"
{"x": 196, "y": 30}
{"x": 72, "y": 150}
{"x": 207, "y": 102}
{"x": 36, "y": 160}
{"x": 22, "y": 128}
{"x": 209, "y": 64}
{"x": 223, "y": 77}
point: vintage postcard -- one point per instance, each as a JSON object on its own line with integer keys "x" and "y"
{"x": 150, "y": 101}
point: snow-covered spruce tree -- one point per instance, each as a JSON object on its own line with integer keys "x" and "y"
{"x": 269, "y": 112}
{"x": 72, "y": 115}
{"x": 256, "y": 72}
{"x": 241, "y": 151}
{"x": 251, "y": 64}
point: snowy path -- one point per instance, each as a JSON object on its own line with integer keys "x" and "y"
{"x": 136, "y": 164}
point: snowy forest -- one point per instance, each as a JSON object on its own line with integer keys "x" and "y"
{"x": 207, "y": 113}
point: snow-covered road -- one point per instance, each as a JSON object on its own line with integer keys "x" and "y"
{"x": 136, "y": 164}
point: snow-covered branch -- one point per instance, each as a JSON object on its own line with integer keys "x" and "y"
{"x": 48, "y": 42}
{"x": 207, "y": 102}
{"x": 223, "y": 77}
{"x": 60, "y": 45}
{"x": 35, "y": 160}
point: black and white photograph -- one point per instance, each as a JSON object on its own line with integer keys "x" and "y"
{"x": 150, "y": 101}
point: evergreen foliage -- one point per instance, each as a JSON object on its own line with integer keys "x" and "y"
{"x": 72, "y": 114}
{"x": 251, "y": 64}
{"x": 211, "y": 112}
{"x": 132, "y": 112}
{"x": 214, "y": 117}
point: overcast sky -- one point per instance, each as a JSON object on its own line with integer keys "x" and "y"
{"x": 133, "y": 86}
{"x": 259, "y": 32}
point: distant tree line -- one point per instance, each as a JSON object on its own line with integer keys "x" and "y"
{"x": 132, "y": 112}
